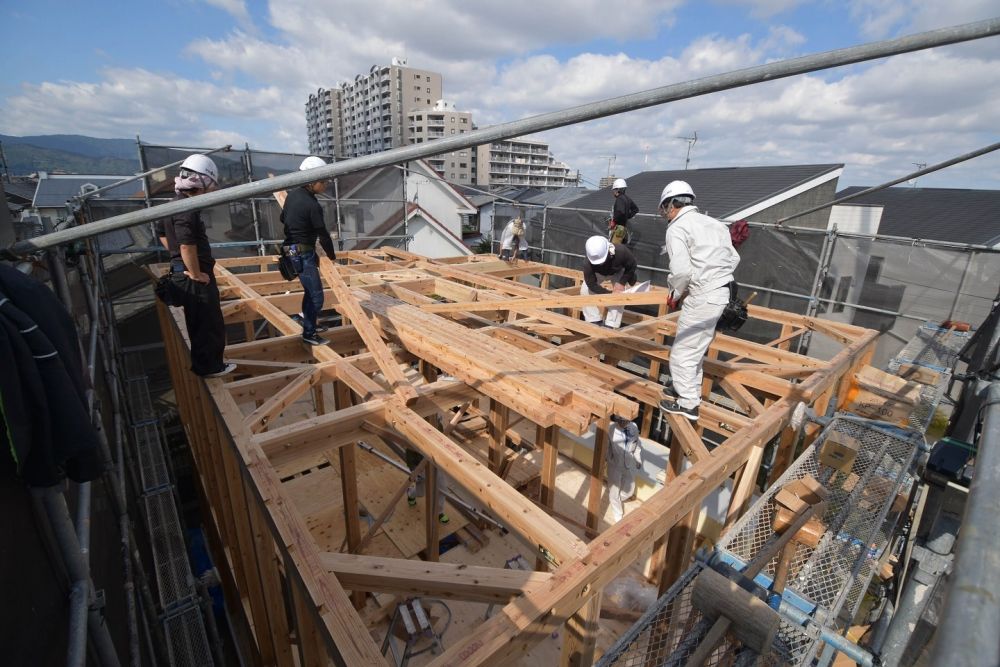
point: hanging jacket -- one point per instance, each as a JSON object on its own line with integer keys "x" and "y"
{"x": 45, "y": 426}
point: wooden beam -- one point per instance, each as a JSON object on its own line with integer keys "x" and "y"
{"x": 373, "y": 341}
{"x": 450, "y": 581}
{"x": 552, "y": 540}
{"x": 687, "y": 437}
{"x": 258, "y": 420}
{"x": 614, "y": 299}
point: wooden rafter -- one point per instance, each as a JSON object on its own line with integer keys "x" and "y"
{"x": 389, "y": 296}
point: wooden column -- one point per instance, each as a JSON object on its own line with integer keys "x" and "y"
{"x": 655, "y": 366}
{"x": 499, "y": 419}
{"x": 548, "y": 440}
{"x": 597, "y": 475}
{"x": 433, "y": 526}
{"x": 580, "y": 638}
{"x": 349, "y": 488}
{"x": 680, "y": 538}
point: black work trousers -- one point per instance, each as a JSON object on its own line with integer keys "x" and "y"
{"x": 205, "y": 326}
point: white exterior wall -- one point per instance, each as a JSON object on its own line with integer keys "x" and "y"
{"x": 860, "y": 219}
{"x": 437, "y": 198}
{"x": 430, "y": 242}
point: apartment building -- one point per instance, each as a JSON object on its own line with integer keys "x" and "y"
{"x": 438, "y": 122}
{"x": 522, "y": 162}
{"x": 323, "y": 122}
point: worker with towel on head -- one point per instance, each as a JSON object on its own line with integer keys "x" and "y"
{"x": 624, "y": 457}
{"x": 514, "y": 240}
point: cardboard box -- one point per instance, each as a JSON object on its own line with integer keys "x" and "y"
{"x": 839, "y": 451}
{"x": 921, "y": 374}
{"x": 875, "y": 406}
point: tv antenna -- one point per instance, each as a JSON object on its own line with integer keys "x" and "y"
{"x": 691, "y": 142}
{"x": 645, "y": 153}
{"x": 920, "y": 167}
{"x": 611, "y": 161}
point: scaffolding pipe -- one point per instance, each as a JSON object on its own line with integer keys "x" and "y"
{"x": 85, "y": 619}
{"x": 547, "y": 121}
{"x": 897, "y": 181}
{"x": 93, "y": 193}
{"x": 968, "y": 631}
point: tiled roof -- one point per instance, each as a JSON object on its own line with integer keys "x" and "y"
{"x": 941, "y": 214}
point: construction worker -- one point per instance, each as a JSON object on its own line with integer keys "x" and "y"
{"x": 702, "y": 262}
{"x": 192, "y": 269}
{"x": 514, "y": 239}
{"x": 623, "y": 211}
{"x": 607, "y": 261}
{"x": 303, "y": 219}
{"x": 624, "y": 457}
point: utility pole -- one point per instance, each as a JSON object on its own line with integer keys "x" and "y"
{"x": 691, "y": 142}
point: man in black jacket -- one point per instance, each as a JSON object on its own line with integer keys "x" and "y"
{"x": 623, "y": 211}
{"x": 606, "y": 260}
{"x": 303, "y": 219}
{"x": 192, "y": 269}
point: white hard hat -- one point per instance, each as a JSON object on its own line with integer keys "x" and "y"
{"x": 201, "y": 164}
{"x": 676, "y": 189}
{"x": 597, "y": 249}
{"x": 619, "y": 184}
{"x": 312, "y": 162}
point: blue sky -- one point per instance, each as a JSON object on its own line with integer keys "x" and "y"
{"x": 221, "y": 71}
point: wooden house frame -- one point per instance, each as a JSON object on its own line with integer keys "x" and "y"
{"x": 421, "y": 342}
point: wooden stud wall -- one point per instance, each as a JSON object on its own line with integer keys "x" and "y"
{"x": 514, "y": 352}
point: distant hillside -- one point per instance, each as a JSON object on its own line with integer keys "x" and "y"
{"x": 70, "y": 153}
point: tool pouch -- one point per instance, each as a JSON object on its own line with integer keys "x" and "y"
{"x": 735, "y": 312}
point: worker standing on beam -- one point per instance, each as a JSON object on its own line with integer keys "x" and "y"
{"x": 192, "y": 269}
{"x": 702, "y": 262}
{"x": 623, "y": 211}
{"x": 303, "y": 219}
{"x": 607, "y": 260}
{"x": 624, "y": 457}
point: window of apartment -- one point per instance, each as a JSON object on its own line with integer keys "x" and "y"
{"x": 453, "y": 131}
{"x": 463, "y": 165}
{"x": 428, "y": 101}
{"x": 417, "y": 77}
{"x": 419, "y": 129}
{"x": 417, "y": 88}
{"x": 416, "y": 99}
{"x": 428, "y": 90}
{"x": 463, "y": 176}
{"x": 465, "y": 121}
{"x": 452, "y": 174}
{"x": 452, "y": 165}
{"x": 463, "y": 154}
{"x": 428, "y": 78}
{"x": 843, "y": 290}
{"x": 460, "y": 131}
{"x": 453, "y": 119}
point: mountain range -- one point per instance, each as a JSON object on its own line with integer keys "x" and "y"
{"x": 69, "y": 153}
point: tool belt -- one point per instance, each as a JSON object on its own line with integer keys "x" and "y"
{"x": 734, "y": 315}
{"x": 286, "y": 265}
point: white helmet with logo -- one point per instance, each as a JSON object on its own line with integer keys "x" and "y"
{"x": 619, "y": 184}
{"x": 597, "y": 249}
{"x": 676, "y": 189}
{"x": 312, "y": 162}
{"x": 201, "y": 164}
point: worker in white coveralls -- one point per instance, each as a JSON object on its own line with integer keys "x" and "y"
{"x": 702, "y": 262}
{"x": 614, "y": 262}
{"x": 514, "y": 240}
{"x": 624, "y": 458}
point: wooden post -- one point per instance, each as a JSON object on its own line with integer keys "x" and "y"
{"x": 580, "y": 639}
{"x": 548, "y": 440}
{"x": 433, "y": 526}
{"x": 597, "y": 474}
{"x": 499, "y": 419}
{"x": 349, "y": 489}
{"x": 654, "y": 376}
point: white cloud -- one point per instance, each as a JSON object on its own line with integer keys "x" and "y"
{"x": 879, "y": 117}
{"x": 236, "y": 8}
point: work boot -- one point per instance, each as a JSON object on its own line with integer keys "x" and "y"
{"x": 314, "y": 339}
{"x": 675, "y": 408}
{"x": 225, "y": 370}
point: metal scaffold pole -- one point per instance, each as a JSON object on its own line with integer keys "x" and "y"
{"x": 547, "y": 121}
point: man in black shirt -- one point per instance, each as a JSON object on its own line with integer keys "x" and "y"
{"x": 623, "y": 211}
{"x": 606, "y": 260}
{"x": 192, "y": 269}
{"x": 303, "y": 220}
